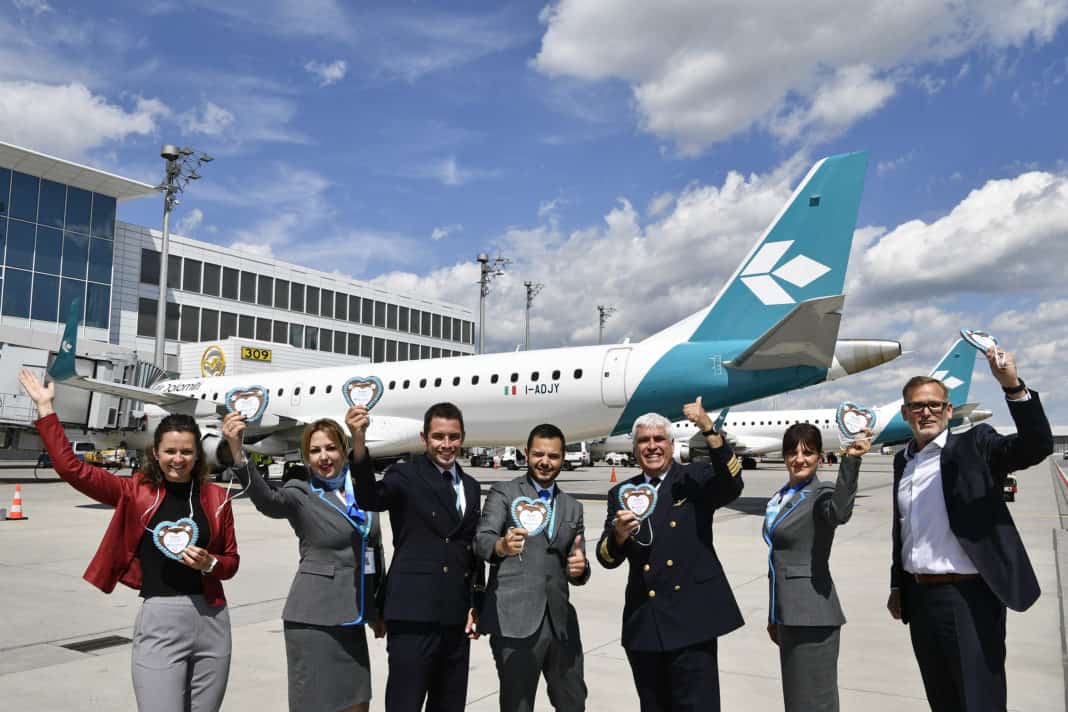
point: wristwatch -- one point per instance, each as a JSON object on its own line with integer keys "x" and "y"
{"x": 1015, "y": 389}
{"x": 710, "y": 431}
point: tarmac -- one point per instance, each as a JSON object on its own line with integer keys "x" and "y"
{"x": 46, "y": 605}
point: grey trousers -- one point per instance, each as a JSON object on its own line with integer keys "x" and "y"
{"x": 808, "y": 656}
{"x": 181, "y": 655}
{"x": 521, "y": 661}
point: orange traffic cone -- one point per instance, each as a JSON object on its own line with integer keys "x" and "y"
{"x": 612, "y": 479}
{"x": 16, "y": 505}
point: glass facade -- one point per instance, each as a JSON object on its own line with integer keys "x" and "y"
{"x": 57, "y": 244}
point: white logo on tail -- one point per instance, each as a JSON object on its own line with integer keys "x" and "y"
{"x": 801, "y": 271}
{"x": 951, "y": 382}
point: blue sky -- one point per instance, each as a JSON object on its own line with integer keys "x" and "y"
{"x": 617, "y": 152}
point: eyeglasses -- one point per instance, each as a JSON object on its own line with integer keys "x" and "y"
{"x": 936, "y": 407}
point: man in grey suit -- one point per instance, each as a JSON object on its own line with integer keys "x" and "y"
{"x": 526, "y": 611}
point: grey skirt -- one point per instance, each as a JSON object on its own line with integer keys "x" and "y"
{"x": 328, "y": 666}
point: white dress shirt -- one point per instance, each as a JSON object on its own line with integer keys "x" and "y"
{"x": 928, "y": 545}
{"x": 458, "y": 485}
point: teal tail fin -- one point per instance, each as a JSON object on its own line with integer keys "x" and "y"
{"x": 955, "y": 371}
{"x": 802, "y": 256}
{"x": 63, "y": 367}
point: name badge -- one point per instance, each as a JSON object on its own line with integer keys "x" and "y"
{"x": 368, "y": 560}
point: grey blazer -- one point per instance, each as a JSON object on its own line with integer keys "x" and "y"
{"x": 799, "y": 576}
{"x": 521, "y": 592}
{"x": 332, "y": 585}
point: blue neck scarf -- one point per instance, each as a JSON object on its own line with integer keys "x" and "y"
{"x": 342, "y": 482}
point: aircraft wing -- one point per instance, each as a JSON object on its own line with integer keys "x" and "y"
{"x": 172, "y": 402}
{"x": 804, "y": 337}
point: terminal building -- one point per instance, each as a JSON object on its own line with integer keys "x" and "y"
{"x": 61, "y": 240}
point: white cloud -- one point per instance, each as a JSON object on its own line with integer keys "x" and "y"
{"x": 998, "y": 240}
{"x": 660, "y": 203}
{"x": 37, "y": 7}
{"x": 884, "y": 167}
{"x": 443, "y": 231}
{"x": 189, "y": 223}
{"x": 211, "y": 120}
{"x": 327, "y": 74}
{"x": 68, "y": 119}
{"x": 550, "y": 207}
{"x": 702, "y": 72}
{"x": 449, "y": 172}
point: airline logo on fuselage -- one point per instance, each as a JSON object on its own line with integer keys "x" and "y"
{"x": 760, "y": 274}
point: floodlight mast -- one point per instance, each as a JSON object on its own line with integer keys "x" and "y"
{"x": 181, "y": 168}
{"x": 533, "y": 289}
{"x": 489, "y": 269}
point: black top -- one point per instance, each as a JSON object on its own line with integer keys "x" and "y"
{"x": 162, "y": 576}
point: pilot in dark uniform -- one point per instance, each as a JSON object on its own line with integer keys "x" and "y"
{"x": 678, "y": 600}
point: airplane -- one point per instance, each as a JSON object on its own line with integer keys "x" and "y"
{"x": 772, "y": 328}
{"x": 755, "y": 433}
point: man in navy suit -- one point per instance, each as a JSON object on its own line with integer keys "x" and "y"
{"x": 434, "y": 581}
{"x": 958, "y": 560}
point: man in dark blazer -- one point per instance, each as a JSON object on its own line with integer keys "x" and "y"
{"x": 526, "y": 611}
{"x": 434, "y": 581}
{"x": 958, "y": 560}
{"x": 678, "y": 601}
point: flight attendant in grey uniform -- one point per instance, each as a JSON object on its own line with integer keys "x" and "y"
{"x": 804, "y": 616}
{"x": 333, "y": 592}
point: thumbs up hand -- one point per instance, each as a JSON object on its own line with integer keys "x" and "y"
{"x": 576, "y": 561}
{"x": 696, "y": 414}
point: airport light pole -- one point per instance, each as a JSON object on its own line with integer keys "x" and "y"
{"x": 181, "y": 168}
{"x": 533, "y": 289}
{"x": 489, "y": 270}
{"x": 603, "y": 312}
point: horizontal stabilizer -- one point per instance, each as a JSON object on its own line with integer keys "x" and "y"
{"x": 804, "y": 337}
{"x": 964, "y": 410}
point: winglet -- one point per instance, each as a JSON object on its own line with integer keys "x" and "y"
{"x": 63, "y": 367}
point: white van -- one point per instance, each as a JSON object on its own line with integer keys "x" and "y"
{"x": 577, "y": 455}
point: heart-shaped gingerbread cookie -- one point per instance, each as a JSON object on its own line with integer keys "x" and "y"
{"x": 171, "y": 538}
{"x": 362, "y": 390}
{"x": 640, "y": 499}
{"x": 981, "y": 340}
{"x": 249, "y": 401}
{"x": 853, "y": 420}
{"x": 531, "y": 514}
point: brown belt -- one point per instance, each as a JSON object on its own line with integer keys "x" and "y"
{"x": 932, "y": 579}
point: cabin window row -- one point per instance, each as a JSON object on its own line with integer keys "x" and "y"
{"x": 410, "y": 383}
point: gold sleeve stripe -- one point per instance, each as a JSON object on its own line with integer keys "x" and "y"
{"x": 734, "y": 466}
{"x": 604, "y": 552}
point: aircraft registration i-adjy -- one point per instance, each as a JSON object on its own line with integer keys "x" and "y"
{"x": 772, "y": 328}
{"x": 759, "y": 432}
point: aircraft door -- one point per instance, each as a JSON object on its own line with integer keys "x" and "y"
{"x": 613, "y": 377}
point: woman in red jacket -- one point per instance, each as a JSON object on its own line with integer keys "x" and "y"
{"x": 172, "y": 538}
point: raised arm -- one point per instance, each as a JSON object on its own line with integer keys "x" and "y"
{"x": 1033, "y": 440}
{"x": 92, "y": 481}
{"x": 838, "y": 507}
{"x": 725, "y": 484}
{"x": 371, "y": 493}
{"x": 276, "y": 504}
